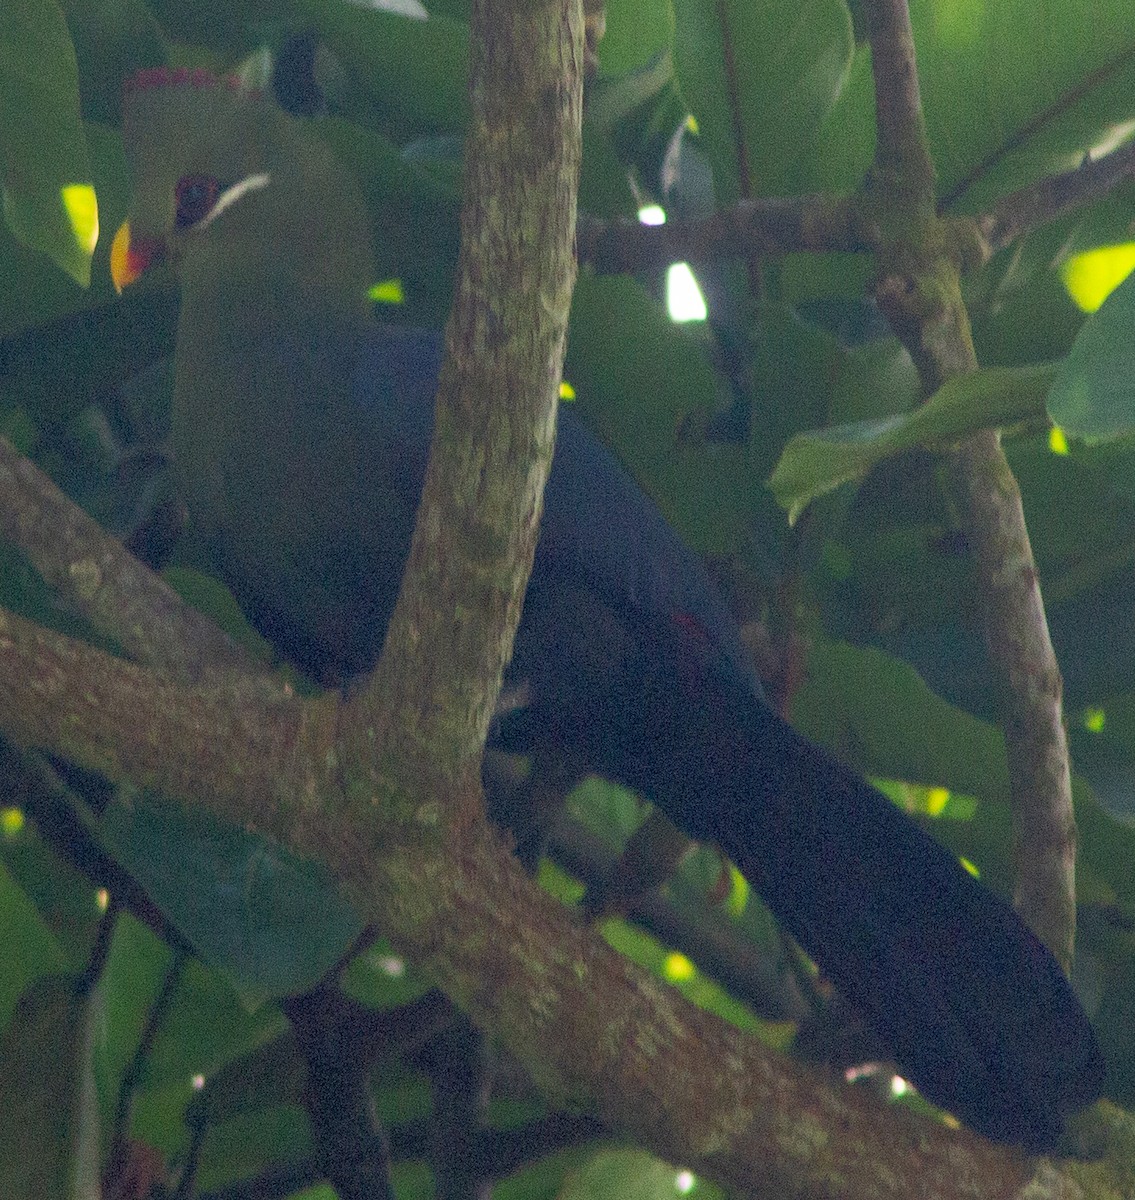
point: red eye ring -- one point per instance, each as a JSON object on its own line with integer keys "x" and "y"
{"x": 195, "y": 196}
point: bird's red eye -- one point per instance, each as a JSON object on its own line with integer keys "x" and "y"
{"x": 196, "y": 195}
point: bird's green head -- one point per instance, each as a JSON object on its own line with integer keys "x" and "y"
{"x": 229, "y": 189}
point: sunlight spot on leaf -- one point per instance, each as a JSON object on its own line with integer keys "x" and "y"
{"x": 678, "y": 968}
{"x": 1116, "y": 135}
{"x": 1092, "y": 276}
{"x": 899, "y": 1086}
{"x": 652, "y": 214}
{"x": 11, "y": 821}
{"x": 1057, "y": 440}
{"x": 936, "y": 800}
{"x": 567, "y": 392}
{"x": 970, "y": 867}
{"x": 684, "y": 299}
{"x": 389, "y": 291}
{"x": 197, "y": 1082}
{"x": 82, "y": 208}
{"x": 405, "y": 8}
{"x": 102, "y": 899}
{"x": 739, "y": 889}
{"x": 1094, "y": 719}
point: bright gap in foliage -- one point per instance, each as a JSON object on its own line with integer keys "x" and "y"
{"x": 684, "y": 299}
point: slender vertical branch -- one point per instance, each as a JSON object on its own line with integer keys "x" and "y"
{"x": 919, "y": 290}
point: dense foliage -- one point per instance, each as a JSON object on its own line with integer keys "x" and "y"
{"x": 189, "y": 1045}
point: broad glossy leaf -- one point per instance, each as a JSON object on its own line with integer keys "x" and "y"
{"x": 817, "y": 462}
{"x": 27, "y": 947}
{"x": 877, "y": 713}
{"x": 49, "y": 1140}
{"x": 1093, "y": 396}
{"x": 639, "y": 379}
{"x": 414, "y": 205}
{"x": 248, "y": 1145}
{"x": 627, "y": 1174}
{"x": 274, "y": 922}
{"x": 113, "y": 39}
{"x": 636, "y": 31}
{"x": 760, "y": 76}
{"x": 35, "y": 293}
{"x": 412, "y": 71}
{"x": 49, "y": 199}
{"x": 1011, "y": 91}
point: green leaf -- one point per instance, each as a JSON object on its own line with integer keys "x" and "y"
{"x": 209, "y": 596}
{"x": 113, "y": 39}
{"x": 817, "y": 462}
{"x": 1011, "y": 91}
{"x": 1093, "y": 395}
{"x": 636, "y": 31}
{"x": 628, "y": 1175}
{"x": 34, "y": 294}
{"x": 274, "y": 922}
{"x": 49, "y": 1138}
{"x": 414, "y": 210}
{"x": 248, "y": 1145}
{"x": 876, "y": 713}
{"x": 760, "y": 78}
{"x": 639, "y": 112}
{"x": 639, "y": 377}
{"x": 380, "y": 978}
{"x": 27, "y": 948}
{"x": 412, "y": 71}
{"x": 207, "y": 1024}
{"x": 49, "y": 200}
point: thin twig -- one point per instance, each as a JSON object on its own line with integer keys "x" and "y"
{"x": 1054, "y": 196}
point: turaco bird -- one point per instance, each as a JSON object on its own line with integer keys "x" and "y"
{"x": 300, "y": 431}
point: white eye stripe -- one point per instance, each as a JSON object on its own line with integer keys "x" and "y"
{"x": 251, "y": 183}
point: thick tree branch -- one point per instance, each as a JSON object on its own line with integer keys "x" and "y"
{"x": 823, "y": 224}
{"x": 243, "y": 747}
{"x": 920, "y": 292}
{"x": 475, "y": 536}
{"x": 588, "y": 1025}
{"x": 122, "y": 599}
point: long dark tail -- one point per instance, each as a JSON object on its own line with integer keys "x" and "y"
{"x": 975, "y": 1010}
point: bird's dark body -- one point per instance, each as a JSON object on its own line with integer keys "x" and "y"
{"x": 635, "y": 667}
